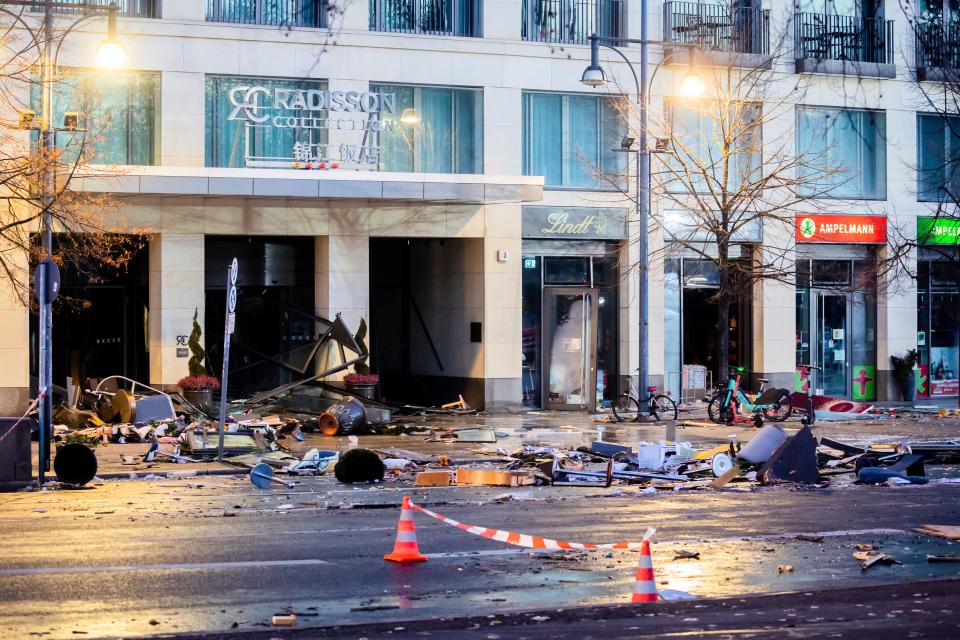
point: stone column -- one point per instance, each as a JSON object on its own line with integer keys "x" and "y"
{"x": 176, "y": 290}
{"x": 775, "y": 322}
{"x": 182, "y": 120}
{"x": 184, "y": 10}
{"x": 15, "y": 341}
{"x": 342, "y": 284}
{"x": 502, "y": 132}
{"x": 896, "y": 319}
{"x": 354, "y": 15}
{"x": 502, "y": 19}
{"x": 502, "y": 307}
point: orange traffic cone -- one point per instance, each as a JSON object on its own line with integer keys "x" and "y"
{"x": 645, "y": 588}
{"x": 405, "y": 548}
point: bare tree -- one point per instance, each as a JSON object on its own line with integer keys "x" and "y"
{"x": 84, "y": 223}
{"x": 729, "y": 175}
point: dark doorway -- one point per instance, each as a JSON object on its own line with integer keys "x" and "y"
{"x": 700, "y": 332}
{"x": 100, "y": 323}
{"x": 275, "y": 299}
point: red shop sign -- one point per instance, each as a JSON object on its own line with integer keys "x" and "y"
{"x": 845, "y": 229}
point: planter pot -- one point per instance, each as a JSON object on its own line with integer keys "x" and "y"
{"x": 202, "y": 399}
{"x": 907, "y": 388}
{"x": 364, "y": 390}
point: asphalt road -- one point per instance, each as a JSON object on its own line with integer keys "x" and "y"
{"x": 213, "y": 554}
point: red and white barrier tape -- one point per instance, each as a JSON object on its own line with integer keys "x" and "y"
{"x": 531, "y": 542}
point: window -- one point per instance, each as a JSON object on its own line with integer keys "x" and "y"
{"x": 570, "y": 139}
{"x": 230, "y": 142}
{"x": 698, "y": 132}
{"x": 938, "y": 157}
{"x": 434, "y": 17}
{"x": 285, "y": 13}
{"x": 843, "y": 152}
{"x": 448, "y": 134}
{"x": 117, "y": 112}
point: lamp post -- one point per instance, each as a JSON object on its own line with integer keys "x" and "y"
{"x": 110, "y": 54}
{"x": 691, "y": 86}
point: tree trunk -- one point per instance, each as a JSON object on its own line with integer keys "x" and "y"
{"x": 723, "y": 337}
{"x": 723, "y": 322}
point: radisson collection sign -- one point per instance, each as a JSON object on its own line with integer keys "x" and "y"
{"x": 841, "y": 229}
{"x": 309, "y": 109}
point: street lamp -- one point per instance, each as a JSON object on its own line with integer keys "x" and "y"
{"x": 410, "y": 117}
{"x": 690, "y": 87}
{"x": 110, "y": 54}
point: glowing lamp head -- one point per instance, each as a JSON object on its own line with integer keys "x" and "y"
{"x": 691, "y": 86}
{"x": 410, "y": 117}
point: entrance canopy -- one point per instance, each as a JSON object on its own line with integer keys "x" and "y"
{"x": 330, "y": 183}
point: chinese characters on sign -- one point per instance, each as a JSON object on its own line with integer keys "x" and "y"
{"x": 304, "y": 110}
{"x": 841, "y": 229}
{"x": 342, "y": 153}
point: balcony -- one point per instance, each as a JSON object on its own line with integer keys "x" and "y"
{"x": 572, "y": 21}
{"x": 844, "y": 45}
{"x": 737, "y": 36}
{"x": 937, "y": 50}
{"x": 129, "y": 8}
{"x": 280, "y": 13}
{"x": 427, "y": 17}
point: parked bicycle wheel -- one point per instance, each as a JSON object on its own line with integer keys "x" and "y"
{"x": 626, "y": 409}
{"x": 663, "y": 407}
{"x": 781, "y": 409}
{"x": 714, "y": 408}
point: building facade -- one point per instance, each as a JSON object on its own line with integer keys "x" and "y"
{"x": 438, "y": 171}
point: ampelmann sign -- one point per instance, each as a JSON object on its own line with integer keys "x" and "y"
{"x": 257, "y": 105}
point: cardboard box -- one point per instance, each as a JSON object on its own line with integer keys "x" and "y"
{"x": 494, "y": 477}
{"x": 434, "y": 479}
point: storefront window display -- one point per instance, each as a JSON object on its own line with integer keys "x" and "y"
{"x": 938, "y": 328}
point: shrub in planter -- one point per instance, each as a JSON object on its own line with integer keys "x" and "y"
{"x": 903, "y": 373}
{"x": 198, "y": 390}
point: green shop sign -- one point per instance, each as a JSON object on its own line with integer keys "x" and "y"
{"x": 939, "y": 231}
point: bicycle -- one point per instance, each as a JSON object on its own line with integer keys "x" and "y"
{"x": 626, "y": 408}
{"x": 810, "y": 416}
{"x": 773, "y": 404}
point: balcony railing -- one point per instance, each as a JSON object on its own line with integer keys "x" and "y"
{"x": 283, "y": 13}
{"x": 572, "y": 21}
{"x": 129, "y": 8}
{"x": 937, "y": 44}
{"x": 428, "y": 17}
{"x": 717, "y": 27}
{"x": 830, "y": 37}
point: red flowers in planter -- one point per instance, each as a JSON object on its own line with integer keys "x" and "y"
{"x": 359, "y": 378}
{"x": 198, "y": 383}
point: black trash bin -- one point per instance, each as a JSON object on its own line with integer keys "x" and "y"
{"x": 16, "y": 466}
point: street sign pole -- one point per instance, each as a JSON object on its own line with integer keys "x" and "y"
{"x": 229, "y": 325}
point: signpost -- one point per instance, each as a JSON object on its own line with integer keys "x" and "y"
{"x": 229, "y": 325}
{"x": 46, "y": 279}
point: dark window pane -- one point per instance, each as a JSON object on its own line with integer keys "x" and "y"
{"x": 831, "y": 272}
{"x": 572, "y": 271}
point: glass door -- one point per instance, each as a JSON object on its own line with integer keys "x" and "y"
{"x": 569, "y": 329}
{"x": 831, "y": 344}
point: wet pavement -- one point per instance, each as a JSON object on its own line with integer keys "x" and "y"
{"x": 196, "y": 554}
{"x": 145, "y": 557}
